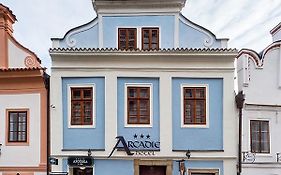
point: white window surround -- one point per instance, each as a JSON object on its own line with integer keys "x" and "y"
{"x": 216, "y": 171}
{"x": 150, "y": 85}
{"x": 249, "y": 137}
{"x": 207, "y": 106}
{"x": 139, "y": 34}
{"x": 92, "y": 85}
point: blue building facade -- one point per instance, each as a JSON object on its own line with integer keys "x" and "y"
{"x": 142, "y": 90}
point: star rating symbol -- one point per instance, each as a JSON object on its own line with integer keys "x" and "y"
{"x": 135, "y": 136}
{"x": 141, "y": 136}
{"x": 148, "y": 136}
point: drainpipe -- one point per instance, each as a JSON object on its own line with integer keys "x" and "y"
{"x": 239, "y": 99}
{"x": 47, "y": 86}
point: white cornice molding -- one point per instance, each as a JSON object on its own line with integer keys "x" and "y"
{"x": 134, "y": 6}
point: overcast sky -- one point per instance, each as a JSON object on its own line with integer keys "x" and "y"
{"x": 245, "y": 22}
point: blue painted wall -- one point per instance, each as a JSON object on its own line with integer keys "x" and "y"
{"x": 199, "y": 165}
{"x": 192, "y": 38}
{"x": 206, "y": 138}
{"x": 165, "y": 24}
{"x": 110, "y": 167}
{"x": 85, "y": 38}
{"x": 128, "y": 132}
{"x": 85, "y": 138}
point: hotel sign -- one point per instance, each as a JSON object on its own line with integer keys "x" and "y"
{"x": 142, "y": 145}
{"x": 81, "y": 161}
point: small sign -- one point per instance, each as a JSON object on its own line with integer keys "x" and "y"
{"x": 80, "y": 161}
{"x": 53, "y": 161}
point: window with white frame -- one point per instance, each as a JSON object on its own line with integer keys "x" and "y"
{"x": 146, "y": 38}
{"x": 194, "y": 105}
{"x": 260, "y": 142}
{"x": 81, "y": 105}
{"x": 138, "y": 104}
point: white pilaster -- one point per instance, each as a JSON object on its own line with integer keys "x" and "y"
{"x": 110, "y": 112}
{"x": 165, "y": 94}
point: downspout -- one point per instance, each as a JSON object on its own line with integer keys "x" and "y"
{"x": 47, "y": 86}
{"x": 239, "y": 99}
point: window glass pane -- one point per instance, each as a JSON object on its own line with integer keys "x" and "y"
{"x": 132, "y": 107}
{"x": 13, "y": 116}
{"x": 200, "y": 93}
{"x": 133, "y": 119}
{"x": 154, "y": 36}
{"x": 12, "y": 136}
{"x": 144, "y": 92}
{"x": 76, "y": 108}
{"x": 189, "y": 111}
{"x": 144, "y": 119}
{"x": 188, "y": 93}
{"x": 144, "y": 107}
{"x": 145, "y": 36}
{"x": 76, "y": 93}
{"x": 87, "y": 109}
{"x": 145, "y": 46}
{"x": 87, "y": 93}
{"x": 132, "y": 92}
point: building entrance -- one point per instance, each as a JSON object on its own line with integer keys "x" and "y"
{"x": 86, "y": 171}
{"x": 152, "y": 170}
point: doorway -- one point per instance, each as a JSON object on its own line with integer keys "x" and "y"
{"x": 86, "y": 171}
{"x": 152, "y": 170}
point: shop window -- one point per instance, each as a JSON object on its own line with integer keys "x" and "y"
{"x": 260, "y": 142}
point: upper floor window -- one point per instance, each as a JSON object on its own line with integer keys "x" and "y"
{"x": 127, "y": 38}
{"x": 17, "y": 126}
{"x": 150, "y": 38}
{"x": 138, "y": 105}
{"x": 81, "y": 105}
{"x": 194, "y": 105}
{"x": 259, "y": 136}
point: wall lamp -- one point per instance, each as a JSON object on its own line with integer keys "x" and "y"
{"x": 278, "y": 157}
{"x": 89, "y": 152}
{"x": 188, "y": 154}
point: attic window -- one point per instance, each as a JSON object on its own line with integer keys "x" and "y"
{"x": 127, "y": 38}
{"x": 150, "y": 38}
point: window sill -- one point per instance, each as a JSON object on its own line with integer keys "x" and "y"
{"x": 17, "y": 144}
{"x": 81, "y": 126}
{"x": 195, "y": 126}
{"x": 138, "y": 126}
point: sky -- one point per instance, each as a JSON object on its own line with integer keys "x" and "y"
{"x": 246, "y": 23}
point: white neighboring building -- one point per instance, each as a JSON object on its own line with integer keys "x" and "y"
{"x": 259, "y": 77}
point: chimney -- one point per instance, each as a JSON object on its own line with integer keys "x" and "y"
{"x": 7, "y": 19}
